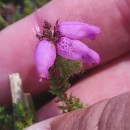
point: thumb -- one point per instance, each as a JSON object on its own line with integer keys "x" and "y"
{"x": 105, "y": 115}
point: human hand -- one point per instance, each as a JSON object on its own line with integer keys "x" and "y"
{"x": 111, "y": 79}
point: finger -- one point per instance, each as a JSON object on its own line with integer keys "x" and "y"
{"x": 106, "y": 82}
{"x": 18, "y": 41}
{"x": 44, "y": 125}
{"x": 53, "y": 123}
{"x": 112, "y": 114}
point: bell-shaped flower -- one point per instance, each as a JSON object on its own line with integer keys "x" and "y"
{"x": 78, "y": 30}
{"x": 76, "y": 50}
{"x": 45, "y": 54}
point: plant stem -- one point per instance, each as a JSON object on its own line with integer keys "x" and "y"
{"x": 23, "y": 110}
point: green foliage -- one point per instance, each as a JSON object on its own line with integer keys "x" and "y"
{"x": 22, "y": 116}
{"x": 22, "y": 9}
{"x": 62, "y": 71}
{"x": 6, "y": 120}
{"x": 3, "y": 23}
{"x": 72, "y": 103}
{"x": 39, "y": 3}
{"x": 67, "y": 68}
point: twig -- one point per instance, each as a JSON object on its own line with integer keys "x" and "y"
{"x": 16, "y": 88}
{"x": 23, "y": 109}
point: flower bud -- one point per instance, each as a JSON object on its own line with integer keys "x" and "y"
{"x": 78, "y": 30}
{"x": 45, "y": 54}
{"x": 76, "y": 50}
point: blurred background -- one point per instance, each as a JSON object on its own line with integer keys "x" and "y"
{"x": 13, "y": 10}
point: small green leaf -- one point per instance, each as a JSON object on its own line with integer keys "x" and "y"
{"x": 6, "y": 120}
{"x": 60, "y": 74}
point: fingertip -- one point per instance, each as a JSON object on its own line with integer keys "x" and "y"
{"x": 45, "y": 125}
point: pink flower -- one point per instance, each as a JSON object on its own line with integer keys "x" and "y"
{"x": 76, "y": 50}
{"x": 45, "y": 54}
{"x": 78, "y": 30}
{"x": 65, "y": 42}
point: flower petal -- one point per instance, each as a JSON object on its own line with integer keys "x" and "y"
{"x": 76, "y": 50}
{"x": 45, "y": 54}
{"x": 78, "y": 30}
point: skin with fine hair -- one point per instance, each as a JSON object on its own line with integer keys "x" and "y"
{"x": 18, "y": 42}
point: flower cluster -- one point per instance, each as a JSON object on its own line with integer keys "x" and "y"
{"x": 64, "y": 40}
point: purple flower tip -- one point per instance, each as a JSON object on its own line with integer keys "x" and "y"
{"x": 76, "y": 50}
{"x": 45, "y": 54}
{"x": 78, "y": 30}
